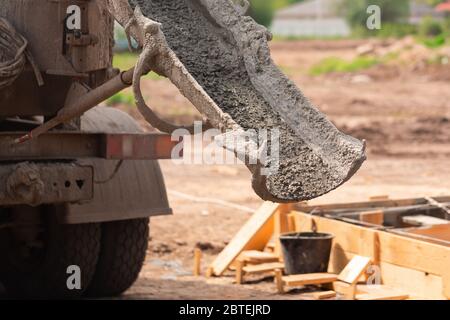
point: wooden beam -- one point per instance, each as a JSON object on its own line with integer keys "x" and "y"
{"x": 424, "y": 221}
{"x": 265, "y": 267}
{"x": 257, "y": 257}
{"x": 441, "y": 232}
{"x": 254, "y": 235}
{"x": 363, "y": 205}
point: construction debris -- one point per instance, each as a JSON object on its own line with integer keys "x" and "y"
{"x": 407, "y": 51}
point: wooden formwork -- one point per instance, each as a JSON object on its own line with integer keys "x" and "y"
{"x": 413, "y": 260}
{"x": 418, "y": 266}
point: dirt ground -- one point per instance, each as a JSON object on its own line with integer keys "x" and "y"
{"x": 404, "y": 116}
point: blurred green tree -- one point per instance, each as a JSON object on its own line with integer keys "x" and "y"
{"x": 263, "y": 11}
{"x": 433, "y": 2}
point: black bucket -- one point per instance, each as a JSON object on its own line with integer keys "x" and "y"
{"x": 306, "y": 252}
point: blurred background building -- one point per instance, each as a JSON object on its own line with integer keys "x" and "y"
{"x": 313, "y": 18}
{"x": 329, "y": 18}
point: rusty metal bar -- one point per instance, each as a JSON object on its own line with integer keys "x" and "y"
{"x": 76, "y": 145}
{"x": 82, "y": 104}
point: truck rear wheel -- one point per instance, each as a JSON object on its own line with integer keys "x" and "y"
{"x": 39, "y": 267}
{"x": 122, "y": 254}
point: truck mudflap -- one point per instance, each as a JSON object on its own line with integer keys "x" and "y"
{"x": 123, "y": 189}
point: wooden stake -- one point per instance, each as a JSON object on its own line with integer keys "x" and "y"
{"x": 197, "y": 262}
{"x": 239, "y": 271}
{"x": 279, "y": 281}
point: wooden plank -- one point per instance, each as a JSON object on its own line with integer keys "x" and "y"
{"x": 441, "y": 232}
{"x": 354, "y": 269}
{"x": 308, "y": 279}
{"x": 382, "y": 296}
{"x": 380, "y": 292}
{"x": 430, "y": 239}
{"x": 265, "y": 267}
{"x": 362, "y": 205}
{"x": 423, "y": 220}
{"x": 324, "y": 295}
{"x": 373, "y": 217}
{"x": 410, "y": 233}
{"x": 394, "y": 249}
{"x": 256, "y": 257}
{"x": 254, "y": 235}
{"x": 369, "y": 204}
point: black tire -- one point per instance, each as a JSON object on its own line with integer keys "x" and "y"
{"x": 122, "y": 254}
{"x": 45, "y": 275}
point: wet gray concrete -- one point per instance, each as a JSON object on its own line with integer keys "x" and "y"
{"x": 229, "y": 57}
